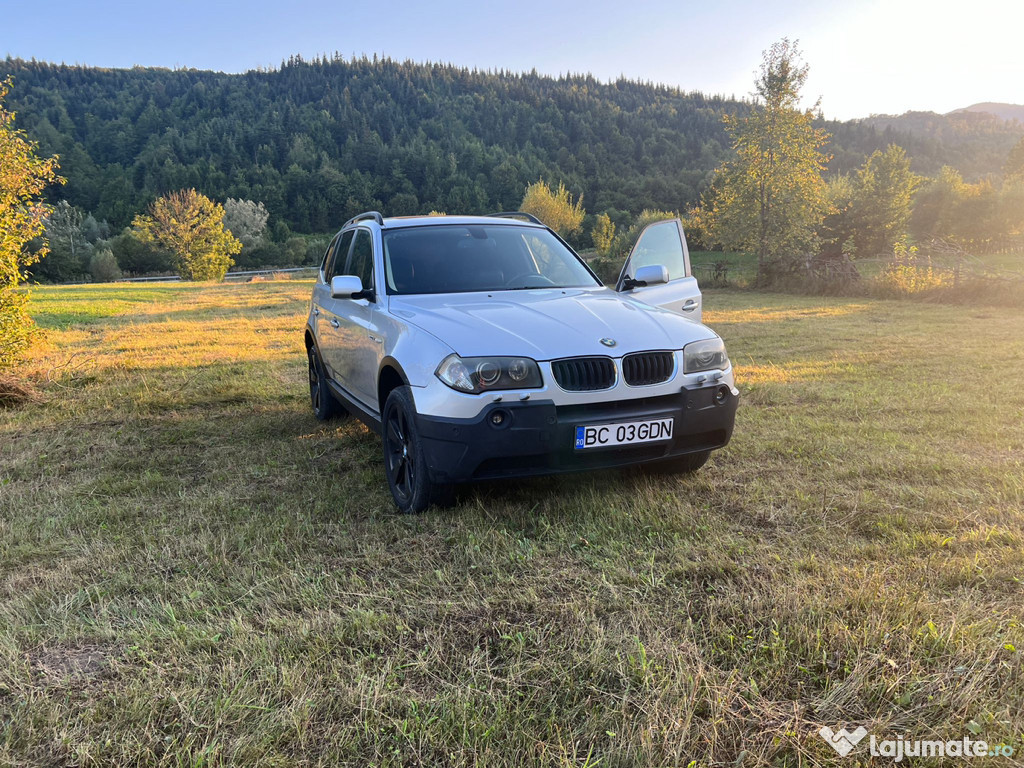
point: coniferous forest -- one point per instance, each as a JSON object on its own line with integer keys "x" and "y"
{"x": 317, "y": 141}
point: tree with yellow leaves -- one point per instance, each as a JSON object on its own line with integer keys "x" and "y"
{"x": 23, "y": 176}
{"x": 602, "y": 234}
{"x": 771, "y": 197}
{"x": 556, "y": 208}
{"x": 191, "y": 226}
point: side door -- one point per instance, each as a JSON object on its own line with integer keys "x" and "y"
{"x": 663, "y": 244}
{"x": 328, "y": 321}
{"x": 360, "y": 339}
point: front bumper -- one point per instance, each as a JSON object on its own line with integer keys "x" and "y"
{"x": 537, "y": 438}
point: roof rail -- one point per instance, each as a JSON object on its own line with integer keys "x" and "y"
{"x": 509, "y": 214}
{"x": 368, "y": 215}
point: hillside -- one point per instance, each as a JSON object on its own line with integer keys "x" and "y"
{"x": 317, "y": 141}
{"x": 1002, "y": 111}
{"x": 975, "y": 142}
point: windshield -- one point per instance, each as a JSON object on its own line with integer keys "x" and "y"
{"x": 479, "y": 257}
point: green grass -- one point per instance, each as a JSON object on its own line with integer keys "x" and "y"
{"x": 742, "y": 267}
{"x": 194, "y": 572}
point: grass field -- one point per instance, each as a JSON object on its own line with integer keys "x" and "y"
{"x": 741, "y": 268}
{"x": 194, "y": 572}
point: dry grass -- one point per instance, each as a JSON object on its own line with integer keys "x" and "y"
{"x": 195, "y": 572}
{"x": 15, "y": 391}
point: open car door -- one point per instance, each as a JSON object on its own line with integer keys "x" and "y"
{"x": 657, "y": 270}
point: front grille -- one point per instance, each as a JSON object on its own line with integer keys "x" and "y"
{"x": 584, "y": 374}
{"x": 645, "y": 368}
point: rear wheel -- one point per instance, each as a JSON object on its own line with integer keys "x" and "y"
{"x": 677, "y": 465}
{"x": 404, "y": 459}
{"x": 325, "y": 406}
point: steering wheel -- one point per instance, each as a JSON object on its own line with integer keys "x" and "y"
{"x": 521, "y": 278}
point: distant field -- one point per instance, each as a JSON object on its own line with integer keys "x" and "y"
{"x": 742, "y": 267}
{"x": 194, "y": 572}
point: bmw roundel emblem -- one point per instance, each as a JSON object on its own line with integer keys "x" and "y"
{"x": 608, "y": 342}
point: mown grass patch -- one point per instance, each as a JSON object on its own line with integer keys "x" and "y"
{"x": 193, "y": 571}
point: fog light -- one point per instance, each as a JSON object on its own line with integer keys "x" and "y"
{"x": 722, "y": 395}
{"x": 499, "y": 418}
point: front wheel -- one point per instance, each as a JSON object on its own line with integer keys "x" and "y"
{"x": 404, "y": 459}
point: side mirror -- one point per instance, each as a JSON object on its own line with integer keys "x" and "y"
{"x": 652, "y": 274}
{"x": 345, "y": 286}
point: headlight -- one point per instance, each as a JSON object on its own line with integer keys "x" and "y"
{"x": 484, "y": 374}
{"x": 705, "y": 355}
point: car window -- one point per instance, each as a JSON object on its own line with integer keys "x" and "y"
{"x": 660, "y": 244}
{"x": 336, "y": 259}
{"x": 325, "y": 265}
{"x": 460, "y": 258}
{"x": 360, "y": 261}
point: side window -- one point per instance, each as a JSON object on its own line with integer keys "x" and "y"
{"x": 325, "y": 266}
{"x": 360, "y": 262}
{"x": 336, "y": 259}
{"x": 660, "y": 244}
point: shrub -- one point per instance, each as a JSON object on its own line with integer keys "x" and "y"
{"x": 556, "y": 208}
{"x": 103, "y": 266}
{"x": 910, "y": 273}
{"x": 603, "y": 234}
{"x": 23, "y": 176}
{"x": 138, "y": 257}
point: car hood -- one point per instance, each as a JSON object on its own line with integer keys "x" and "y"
{"x": 547, "y": 324}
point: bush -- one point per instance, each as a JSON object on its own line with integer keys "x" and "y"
{"x": 103, "y": 266}
{"x": 15, "y": 326}
{"x": 909, "y": 273}
{"x": 603, "y": 234}
{"x": 23, "y": 177}
{"x": 137, "y": 257}
{"x": 556, "y": 208}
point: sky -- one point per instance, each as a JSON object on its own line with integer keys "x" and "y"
{"x": 865, "y": 56}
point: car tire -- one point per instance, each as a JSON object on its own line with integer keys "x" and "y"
{"x": 325, "y": 405}
{"x": 405, "y": 463}
{"x": 680, "y": 465}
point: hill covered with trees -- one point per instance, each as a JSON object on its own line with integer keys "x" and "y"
{"x": 316, "y": 141}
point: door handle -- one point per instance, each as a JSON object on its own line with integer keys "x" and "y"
{"x": 335, "y": 323}
{"x": 375, "y": 339}
{"x": 689, "y": 305}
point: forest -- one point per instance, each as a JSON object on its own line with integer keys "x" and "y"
{"x": 317, "y": 141}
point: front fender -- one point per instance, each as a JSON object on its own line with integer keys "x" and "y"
{"x": 419, "y": 352}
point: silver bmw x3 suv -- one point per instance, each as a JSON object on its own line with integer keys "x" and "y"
{"x": 484, "y": 347}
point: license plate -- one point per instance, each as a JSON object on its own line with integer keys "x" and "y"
{"x": 625, "y": 433}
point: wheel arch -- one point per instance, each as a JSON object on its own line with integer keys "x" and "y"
{"x": 390, "y": 376}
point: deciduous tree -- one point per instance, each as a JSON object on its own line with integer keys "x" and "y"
{"x": 603, "y": 233}
{"x": 556, "y": 208}
{"x": 1014, "y": 170}
{"x": 23, "y": 176}
{"x": 246, "y": 220}
{"x": 69, "y": 248}
{"x": 883, "y": 199}
{"x": 191, "y": 226}
{"x": 770, "y": 198}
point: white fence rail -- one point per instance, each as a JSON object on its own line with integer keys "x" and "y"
{"x": 236, "y": 276}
